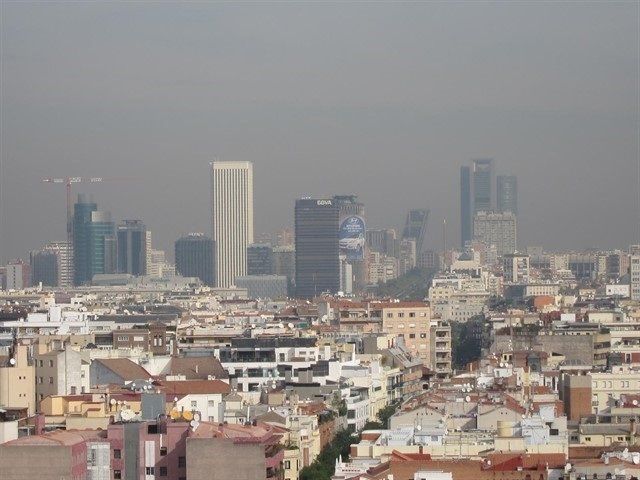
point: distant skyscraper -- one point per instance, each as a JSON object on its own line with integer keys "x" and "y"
{"x": 352, "y": 241}
{"x": 44, "y": 267}
{"x": 232, "y": 218}
{"x": 132, "y": 247}
{"x": 259, "y": 259}
{"x": 317, "y": 247}
{"x": 415, "y": 227}
{"x": 194, "y": 257}
{"x": 507, "y": 191}
{"x": 499, "y": 229}
{"x": 41, "y": 271}
{"x": 284, "y": 263}
{"x": 94, "y": 243}
{"x": 383, "y": 241}
{"x": 482, "y": 185}
{"x": 156, "y": 264}
{"x": 466, "y": 217}
{"x": 634, "y": 272}
{"x": 149, "y": 248}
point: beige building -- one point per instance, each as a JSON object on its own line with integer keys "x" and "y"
{"x": 607, "y": 387}
{"x": 17, "y": 380}
{"x": 232, "y": 218}
{"x": 412, "y": 322}
{"x": 58, "y": 372}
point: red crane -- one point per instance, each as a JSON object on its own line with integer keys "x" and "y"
{"x": 68, "y": 181}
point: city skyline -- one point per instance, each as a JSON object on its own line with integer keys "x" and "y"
{"x": 392, "y": 136}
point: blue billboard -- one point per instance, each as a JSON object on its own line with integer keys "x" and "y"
{"x": 352, "y": 237}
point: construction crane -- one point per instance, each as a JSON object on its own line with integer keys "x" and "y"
{"x": 68, "y": 181}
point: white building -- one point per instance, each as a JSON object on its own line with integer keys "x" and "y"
{"x": 499, "y": 229}
{"x": 516, "y": 268}
{"x": 635, "y": 277}
{"x": 232, "y": 218}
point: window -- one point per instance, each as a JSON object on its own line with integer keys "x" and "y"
{"x": 163, "y": 451}
{"x": 51, "y": 363}
{"x": 51, "y": 380}
{"x": 163, "y": 471}
{"x": 117, "y": 453}
{"x": 287, "y": 464}
{"x": 117, "y": 474}
{"x": 389, "y": 315}
{"x": 412, "y": 314}
{"x": 41, "y": 363}
{"x": 423, "y": 335}
{"x": 211, "y": 403}
{"x": 194, "y": 403}
{"x": 150, "y": 471}
{"x": 412, "y": 335}
{"x": 401, "y": 315}
{"x": 182, "y": 462}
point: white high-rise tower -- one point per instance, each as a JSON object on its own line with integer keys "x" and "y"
{"x": 232, "y": 218}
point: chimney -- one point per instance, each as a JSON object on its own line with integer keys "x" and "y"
{"x": 196, "y": 368}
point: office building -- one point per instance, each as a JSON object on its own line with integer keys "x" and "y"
{"x": 317, "y": 247}
{"x": 259, "y": 259}
{"x": 415, "y": 227}
{"x": 232, "y": 218}
{"x": 499, "y": 229}
{"x": 132, "y": 247}
{"x": 516, "y": 268}
{"x": 195, "y": 258}
{"x": 284, "y": 237}
{"x": 94, "y": 242}
{"x": 149, "y": 247}
{"x": 634, "y": 270}
{"x": 264, "y": 286}
{"x": 383, "y": 241}
{"x": 156, "y": 264}
{"x": 466, "y": 224}
{"x": 284, "y": 263}
{"x": 408, "y": 259}
{"x": 17, "y": 275}
{"x": 507, "y": 194}
{"x": 352, "y": 241}
{"x": 65, "y": 267}
{"x": 482, "y": 185}
{"x": 44, "y": 267}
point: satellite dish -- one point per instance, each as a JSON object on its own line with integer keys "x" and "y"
{"x": 112, "y": 401}
{"x": 12, "y": 361}
{"x": 635, "y": 403}
{"x": 467, "y": 399}
{"x": 290, "y": 325}
{"x": 196, "y": 417}
{"x": 418, "y": 427}
{"x": 126, "y": 415}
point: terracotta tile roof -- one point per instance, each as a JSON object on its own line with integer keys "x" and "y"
{"x": 193, "y": 387}
{"x": 124, "y": 368}
{"x": 197, "y": 367}
{"x": 59, "y": 437}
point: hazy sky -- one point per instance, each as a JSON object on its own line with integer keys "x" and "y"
{"x": 382, "y": 100}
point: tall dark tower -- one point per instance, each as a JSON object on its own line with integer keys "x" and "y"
{"x": 194, "y": 257}
{"x": 132, "y": 247}
{"x": 507, "y": 194}
{"x": 317, "y": 247}
{"x": 415, "y": 227}
{"x": 465, "y": 206}
{"x": 482, "y": 185}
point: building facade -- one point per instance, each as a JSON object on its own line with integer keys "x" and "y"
{"x": 317, "y": 247}
{"x": 499, "y": 229}
{"x": 507, "y": 194}
{"x": 194, "y": 254}
{"x": 232, "y": 218}
{"x": 132, "y": 247}
{"x": 259, "y": 259}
